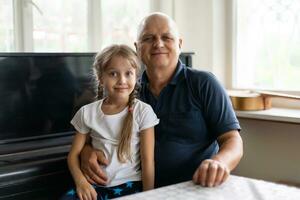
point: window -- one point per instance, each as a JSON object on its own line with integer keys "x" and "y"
{"x": 68, "y": 25}
{"x": 120, "y": 20}
{"x": 60, "y": 25}
{"x": 6, "y": 26}
{"x": 268, "y": 45}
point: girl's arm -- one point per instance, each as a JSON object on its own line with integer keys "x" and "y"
{"x": 147, "y": 157}
{"x": 84, "y": 188}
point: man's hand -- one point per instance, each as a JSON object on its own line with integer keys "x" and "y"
{"x": 211, "y": 173}
{"x": 91, "y": 161}
{"x": 215, "y": 171}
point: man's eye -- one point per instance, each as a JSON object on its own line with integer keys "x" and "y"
{"x": 165, "y": 38}
{"x": 147, "y": 39}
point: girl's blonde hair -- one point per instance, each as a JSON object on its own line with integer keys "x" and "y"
{"x": 102, "y": 60}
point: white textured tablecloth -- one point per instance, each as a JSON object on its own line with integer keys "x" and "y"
{"x": 235, "y": 188}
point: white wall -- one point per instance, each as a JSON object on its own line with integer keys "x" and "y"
{"x": 194, "y": 20}
{"x": 271, "y": 150}
{"x": 205, "y": 26}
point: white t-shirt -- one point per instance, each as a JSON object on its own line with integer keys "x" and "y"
{"x": 105, "y": 131}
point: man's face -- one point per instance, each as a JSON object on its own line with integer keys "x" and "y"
{"x": 158, "y": 45}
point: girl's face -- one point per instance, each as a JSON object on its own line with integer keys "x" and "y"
{"x": 119, "y": 78}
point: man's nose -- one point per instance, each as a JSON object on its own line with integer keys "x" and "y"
{"x": 158, "y": 43}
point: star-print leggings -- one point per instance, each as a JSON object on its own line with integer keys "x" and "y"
{"x": 105, "y": 193}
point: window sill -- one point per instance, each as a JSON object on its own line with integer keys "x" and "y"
{"x": 273, "y": 114}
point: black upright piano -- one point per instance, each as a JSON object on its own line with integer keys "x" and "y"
{"x": 39, "y": 94}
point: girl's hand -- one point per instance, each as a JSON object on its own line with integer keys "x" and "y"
{"x": 85, "y": 191}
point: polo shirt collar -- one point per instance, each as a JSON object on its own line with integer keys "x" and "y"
{"x": 176, "y": 77}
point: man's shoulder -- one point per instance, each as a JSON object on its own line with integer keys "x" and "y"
{"x": 198, "y": 75}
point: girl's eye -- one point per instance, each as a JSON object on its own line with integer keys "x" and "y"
{"x": 129, "y": 73}
{"x": 113, "y": 74}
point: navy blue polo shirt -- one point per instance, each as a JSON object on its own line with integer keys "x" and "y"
{"x": 194, "y": 110}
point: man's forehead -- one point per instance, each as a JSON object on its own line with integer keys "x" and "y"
{"x": 146, "y": 33}
{"x": 158, "y": 25}
{"x": 157, "y": 22}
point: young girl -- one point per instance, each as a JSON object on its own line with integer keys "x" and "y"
{"x": 118, "y": 124}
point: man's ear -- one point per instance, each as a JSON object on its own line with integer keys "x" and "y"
{"x": 180, "y": 43}
{"x": 135, "y": 44}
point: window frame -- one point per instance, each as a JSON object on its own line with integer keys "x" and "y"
{"x": 276, "y": 102}
{"x": 23, "y": 25}
{"x": 234, "y": 54}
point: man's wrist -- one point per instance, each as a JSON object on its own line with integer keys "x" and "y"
{"x": 221, "y": 162}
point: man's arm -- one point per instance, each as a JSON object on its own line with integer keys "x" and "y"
{"x": 215, "y": 171}
{"x": 90, "y": 161}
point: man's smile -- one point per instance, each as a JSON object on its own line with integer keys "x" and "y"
{"x": 158, "y": 53}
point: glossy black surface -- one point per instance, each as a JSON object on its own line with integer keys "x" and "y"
{"x": 39, "y": 93}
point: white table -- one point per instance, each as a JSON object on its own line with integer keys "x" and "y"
{"x": 235, "y": 188}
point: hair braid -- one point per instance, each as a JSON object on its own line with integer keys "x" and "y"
{"x": 100, "y": 92}
{"x": 124, "y": 149}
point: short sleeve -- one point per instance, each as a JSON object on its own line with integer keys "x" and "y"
{"x": 218, "y": 109}
{"x": 148, "y": 118}
{"x": 78, "y": 122}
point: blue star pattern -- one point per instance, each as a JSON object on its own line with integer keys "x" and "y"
{"x": 71, "y": 192}
{"x": 129, "y": 184}
{"x": 106, "y": 193}
{"x": 105, "y": 198}
{"x": 117, "y": 191}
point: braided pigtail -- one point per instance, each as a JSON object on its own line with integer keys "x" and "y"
{"x": 124, "y": 148}
{"x": 100, "y": 92}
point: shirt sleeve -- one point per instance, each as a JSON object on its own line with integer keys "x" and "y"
{"x": 79, "y": 123}
{"x": 218, "y": 109}
{"x": 148, "y": 118}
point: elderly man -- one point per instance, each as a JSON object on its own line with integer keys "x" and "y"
{"x": 198, "y": 135}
